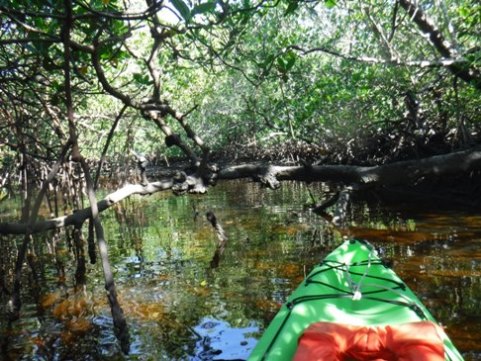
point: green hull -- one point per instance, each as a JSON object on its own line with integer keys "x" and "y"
{"x": 331, "y": 293}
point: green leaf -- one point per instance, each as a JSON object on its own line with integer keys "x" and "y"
{"x": 245, "y": 18}
{"x": 286, "y": 61}
{"x": 268, "y": 61}
{"x": 203, "y": 8}
{"x": 293, "y": 5}
{"x": 330, "y": 3}
{"x": 141, "y": 79}
{"x": 291, "y": 58}
{"x": 281, "y": 64}
{"x": 182, "y": 8}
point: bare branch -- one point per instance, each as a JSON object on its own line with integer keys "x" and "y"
{"x": 80, "y": 216}
{"x": 394, "y": 21}
{"x": 107, "y": 144}
{"x": 371, "y": 60}
{"x": 462, "y": 70}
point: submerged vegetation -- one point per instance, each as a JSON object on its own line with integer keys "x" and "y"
{"x": 366, "y": 95}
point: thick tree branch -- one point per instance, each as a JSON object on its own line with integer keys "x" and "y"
{"x": 399, "y": 173}
{"x": 170, "y": 137}
{"x": 461, "y": 70}
{"x": 95, "y": 57}
{"x": 79, "y": 217}
{"x": 153, "y": 110}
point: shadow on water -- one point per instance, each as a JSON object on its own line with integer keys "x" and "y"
{"x": 179, "y": 307}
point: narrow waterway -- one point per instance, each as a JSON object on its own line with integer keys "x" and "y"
{"x": 182, "y": 304}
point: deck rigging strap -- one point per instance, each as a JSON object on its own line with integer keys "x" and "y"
{"x": 353, "y": 292}
{"x": 356, "y": 286}
{"x": 335, "y": 265}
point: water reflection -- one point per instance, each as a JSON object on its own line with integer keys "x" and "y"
{"x": 219, "y": 340}
{"x": 179, "y": 308}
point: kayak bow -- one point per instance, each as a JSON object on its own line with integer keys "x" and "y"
{"x": 350, "y": 286}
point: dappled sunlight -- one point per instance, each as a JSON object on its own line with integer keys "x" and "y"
{"x": 173, "y": 173}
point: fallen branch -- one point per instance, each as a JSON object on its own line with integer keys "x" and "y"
{"x": 398, "y": 173}
{"x": 79, "y": 217}
{"x": 221, "y": 239}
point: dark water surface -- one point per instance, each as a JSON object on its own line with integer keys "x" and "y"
{"x": 180, "y": 308}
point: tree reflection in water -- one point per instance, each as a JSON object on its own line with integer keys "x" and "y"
{"x": 179, "y": 308}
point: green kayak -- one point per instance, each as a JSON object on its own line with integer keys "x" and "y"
{"x": 350, "y": 286}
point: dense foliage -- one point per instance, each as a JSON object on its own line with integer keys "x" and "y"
{"x": 249, "y": 75}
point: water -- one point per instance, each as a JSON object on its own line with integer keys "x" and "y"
{"x": 180, "y": 305}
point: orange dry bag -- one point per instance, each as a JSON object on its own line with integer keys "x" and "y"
{"x": 326, "y": 341}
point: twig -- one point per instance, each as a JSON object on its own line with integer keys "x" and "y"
{"x": 221, "y": 239}
{"x": 320, "y": 208}
{"x": 107, "y": 144}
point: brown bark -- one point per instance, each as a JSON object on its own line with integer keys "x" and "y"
{"x": 399, "y": 173}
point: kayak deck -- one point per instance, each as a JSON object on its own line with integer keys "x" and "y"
{"x": 350, "y": 286}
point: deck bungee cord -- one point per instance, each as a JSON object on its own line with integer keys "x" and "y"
{"x": 351, "y": 283}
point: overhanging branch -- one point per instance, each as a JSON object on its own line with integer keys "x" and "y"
{"x": 398, "y": 173}
{"x": 464, "y": 70}
{"x": 79, "y": 217}
{"x": 447, "y": 62}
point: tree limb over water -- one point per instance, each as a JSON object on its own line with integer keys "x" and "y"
{"x": 79, "y": 217}
{"x": 467, "y": 72}
{"x": 398, "y": 173}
